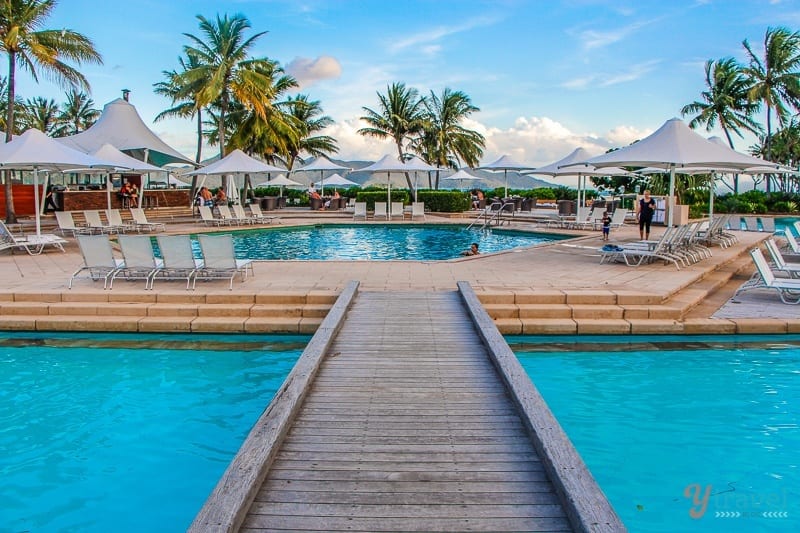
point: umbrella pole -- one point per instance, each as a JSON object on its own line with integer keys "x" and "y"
{"x": 108, "y": 190}
{"x": 711, "y": 197}
{"x": 671, "y": 199}
{"x": 505, "y": 175}
{"x": 36, "y": 199}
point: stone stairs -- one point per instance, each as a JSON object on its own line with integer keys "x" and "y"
{"x": 147, "y": 311}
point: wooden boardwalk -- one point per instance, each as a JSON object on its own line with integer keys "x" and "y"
{"x": 407, "y": 427}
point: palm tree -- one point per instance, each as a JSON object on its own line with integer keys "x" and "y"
{"x": 400, "y": 117}
{"x": 40, "y": 113}
{"x": 725, "y": 102}
{"x": 223, "y": 71}
{"x": 445, "y": 141}
{"x": 31, "y": 48}
{"x": 775, "y": 79}
{"x": 184, "y": 99}
{"x": 307, "y": 114}
{"x": 77, "y": 114}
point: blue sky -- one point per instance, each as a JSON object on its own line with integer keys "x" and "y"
{"x": 548, "y": 75}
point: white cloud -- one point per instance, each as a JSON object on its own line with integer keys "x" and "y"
{"x": 600, "y": 38}
{"x": 435, "y": 34}
{"x": 309, "y": 71}
{"x": 608, "y": 79}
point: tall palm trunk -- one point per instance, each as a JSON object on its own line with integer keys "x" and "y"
{"x": 769, "y": 143}
{"x": 223, "y": 108}
{"x": 198, "y": 155}
{"x": 11, "y": 215}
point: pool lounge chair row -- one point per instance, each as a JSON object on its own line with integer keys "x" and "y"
{"x": 679, "y": 245}
{"x": 765, "y": 277}
{"x": 237, "y": 216}
{"x": 113, "y": 224}
{"x": 382, "y": 213}
{"x": 33, "y": 244}
{"x": 177, "y": 261}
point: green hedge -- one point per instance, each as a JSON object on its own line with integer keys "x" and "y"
{"x": 445, "y": 201}
{"x": 398, "y": 195}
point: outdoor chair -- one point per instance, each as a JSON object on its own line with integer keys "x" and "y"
{"x": 140, "y": 260}
{"x": 618, "y": 217}
{"x": 637, "y": 253}
{"x": 219, "y": 259}
{"x": 208, "y": 218}
{"x": 98, "y": 259}
{"x": 114, "y": 218}
{"x": 792, "y": 269}
{"x": 178, "y": 260}
{"x": 67, "y": 224}
{"x": 33, "y": 244}
{"x": 380, "y": 211}
{"x": 767, "y": 224}
{"x": 418, "y": 210}
{"x": 239, "y": 214}
{"x": 750, "y": 223}
{"x": 360, "y": 211}
{"x": 258, "y": 215}
{"x": 791, "y": 242}
{"x": 225, "y": 214}
{"x": 788, "y": 289}
{"x": 397, "y": 211}
{"x": 93, "y": 221}
{"x": 140, "y": 221}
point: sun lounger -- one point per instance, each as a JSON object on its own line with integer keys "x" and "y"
{"x": 750, "y": 223}
{"x": 792, "y": 269}
{"x": 225, "y": 214}
{"x": 791, "y": 242}
{"x": 178, "y": 260}
{"x": 767, "y": 224}
{"x": 141, "y": 223}
{"x": 618, "y": 217}
{"x": 114, "y": 218}
{"x": 219, "y": 259}
{"x": 98, "y": 259}
{"x": 259, "y": 216}
{"x": 67, "y": 224}
{"x": 241, "y": 216}
{"x": 92, "y": 217}
{"x": 788, "y": 289}
{"x": 140, "y": 260}
{"x": 418, "y": 211}
{"x": 637, "y": 253}
{"x": 396, "y": 211}
{"x": 360, "y": 211}
{"x": 380, "y": 211}
{"x": 208, "y": 218}
{"x": 33, "y": 244}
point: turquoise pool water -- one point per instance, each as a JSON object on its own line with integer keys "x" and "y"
{"x": 428, "y": 242}
{"x": 122, "y": 433}
{"x": 662, "y": 418}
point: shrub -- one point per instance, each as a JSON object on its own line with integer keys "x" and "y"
{"x": 543, "y": 193}
{"x": 445, "y": 201}
{"x": 784, "y": 207}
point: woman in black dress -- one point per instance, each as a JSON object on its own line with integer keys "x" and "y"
{"x": 645, "y": 210}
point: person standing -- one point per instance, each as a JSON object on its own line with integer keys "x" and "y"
{"x": 645, "y": 210}
{"x": 606, "y": 225}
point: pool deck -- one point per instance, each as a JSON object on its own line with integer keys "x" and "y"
{"x": 559, "y": 287}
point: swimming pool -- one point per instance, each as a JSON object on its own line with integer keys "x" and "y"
{"x": 420, "y": 242}
{"x": 673, "y": 425}
{"x": 126, "y": 432}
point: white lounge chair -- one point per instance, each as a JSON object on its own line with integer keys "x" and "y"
{"x": 92, "y": 217}
{"x": 140, "y": 260}
{"x": 397, "y": 211}
{"x": 226, "y": 214}
{"x": 114, "y": 218}
{"x": 788, "y": 289}
{"x": 751, "y": 223}
{"x": 793, "y": 269}
{"x": 791, "y": 242}
{"x": 98, "y": 259}
{"x": 360, "y": 211}
{"x": 219, "y": 259}
{"x": 141, "y": 223}
{"x": 418, "y": 210}
{"x": 33, "y": 244}
{"x": 178, "y": 260}
{"x": 618, "y": 217}
{"x": 208, "y": 217}
{"x": 67, "y": 224}
{"x": 380, "y": 211}
{"x": 767, "y": 224}
{"x": 259, "y": 215}
{"x": 241, "y": 216}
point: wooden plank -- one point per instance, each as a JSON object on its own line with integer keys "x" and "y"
{"x": 412, "y": 498}
{"x": 400, "y": 511}
{"x": 406, "y": 466}
{"x": 298, "y": 523}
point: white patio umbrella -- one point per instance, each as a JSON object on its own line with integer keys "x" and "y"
{"x": 390, "y": 163}
{"x": 35, "y": 151}
{"x": 322, "y": 164}
{"x": 460, "y": 176}
{"x": 335, "y": 180}
{"x": 505, "y": 163}
{"x": 675, "y": 145}
{"x": 557, "y": 169}
{"x": 234, "y": 164}
{"x": 280, "y": 181}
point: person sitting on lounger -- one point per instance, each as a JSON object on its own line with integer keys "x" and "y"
{"x": 221, "y": 198}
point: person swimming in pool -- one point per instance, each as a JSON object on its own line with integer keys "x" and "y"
{"x": 473, "y": 250}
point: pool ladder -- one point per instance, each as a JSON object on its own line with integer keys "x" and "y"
{"x": 493, "y": 213}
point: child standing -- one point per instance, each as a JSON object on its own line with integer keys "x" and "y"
{"x": 606, "y": 225}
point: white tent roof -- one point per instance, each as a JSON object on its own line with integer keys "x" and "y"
{"x": 121, "y": 126}
{"x": 320, "y": 163}
{"x": 236, "y": 162}
{"x": 390, "y": 163}
{"x": 674, "y": 144}
{"x": 576, "y": 156}
{"x": 461, "y": 175}
{"x": 336, "y": 180}
{"x": 505, "y": 163}
{"x": 279, "y": 181}
{"x": 125, "y": 162}
{"x": 34, "y": 149}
